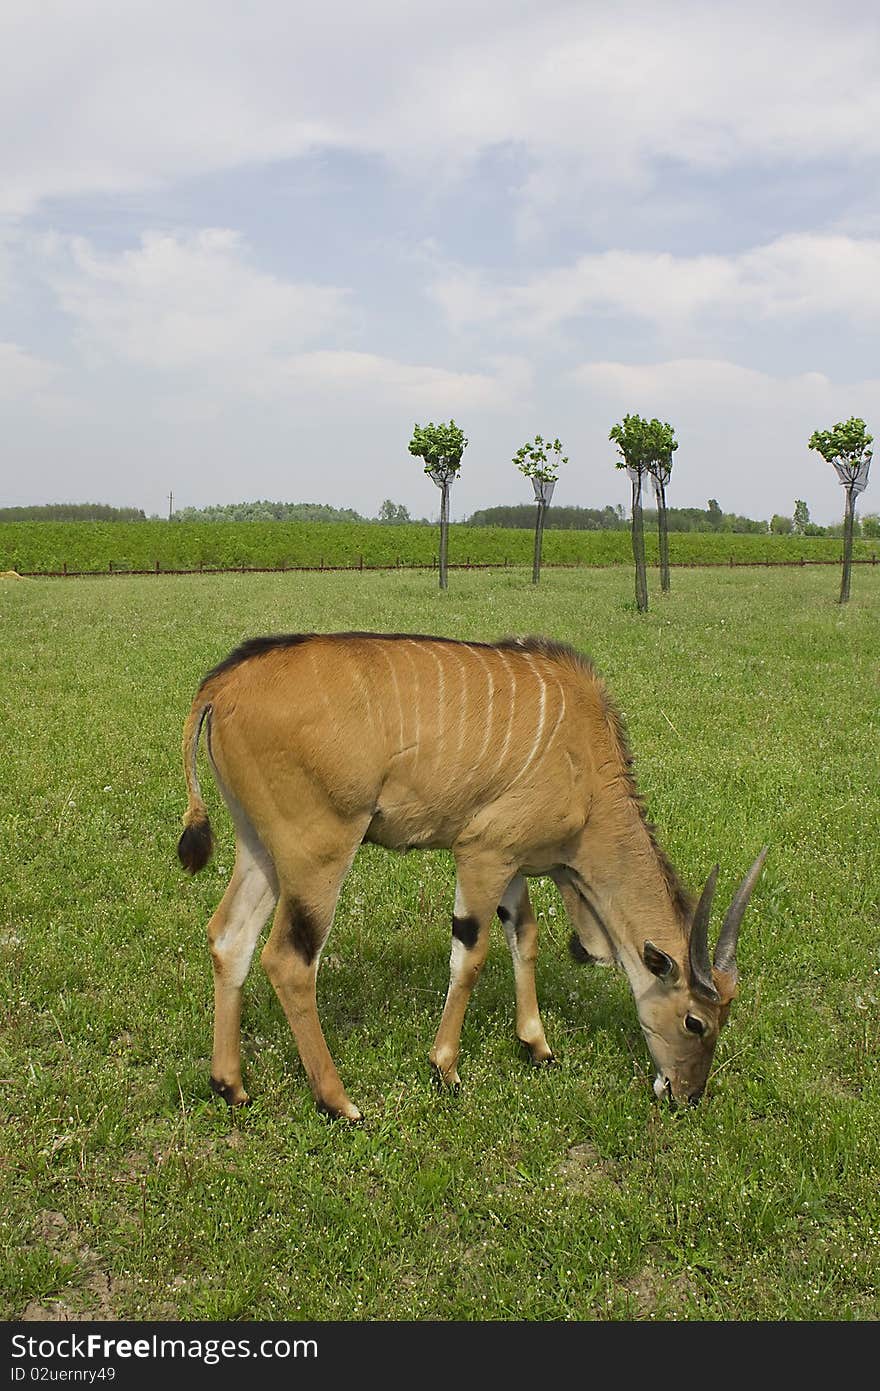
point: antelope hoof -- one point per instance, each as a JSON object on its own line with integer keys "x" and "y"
{"x": 538, "y": 1054}
{"x": 446, "y": 1081}
{"x": 232, "y": 1093}
{"x": 344, "y": 1111}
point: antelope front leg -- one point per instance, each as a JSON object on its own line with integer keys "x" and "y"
{"x": 477, "y": 891}
{"x": 521, "y": 930}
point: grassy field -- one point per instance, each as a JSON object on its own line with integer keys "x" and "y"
{"x": 130, "y": 1192}
{"x": 97, "y": 547}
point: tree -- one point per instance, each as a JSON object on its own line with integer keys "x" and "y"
{"x": 846, "y": 447}
{"x": 781, "y": 526}
{"x": 801, "y": 519}
{"x": 663, "y": 446}
{"x": 540, "y": 460}
{"x": 633, "y": 440}
{"x": 440, "y": 447}
{"x": 716, "y": 516}
{"x": 871, "y": 525}
{"x": 393, "y": 513}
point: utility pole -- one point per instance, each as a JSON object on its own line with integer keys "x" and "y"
{"x": 170, "y": 505}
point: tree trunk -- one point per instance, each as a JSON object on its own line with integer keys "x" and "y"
{"x": 444, "y": 534}
{"x": 638, "y": 544}
{"x": 663, "y": 529}
{"x": 539, "y": 541}
{"x": 848, "y": 520}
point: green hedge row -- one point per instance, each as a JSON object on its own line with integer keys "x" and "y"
{"x": 95, "y": 547}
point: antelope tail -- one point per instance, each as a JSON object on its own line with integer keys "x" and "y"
{"x": 195, "y": 845}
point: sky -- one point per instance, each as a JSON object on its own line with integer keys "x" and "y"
{"x": 244, "y": 249}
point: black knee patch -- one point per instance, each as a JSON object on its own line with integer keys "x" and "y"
{"x": 504, "y": 914}
{"x": 467, "y": 930}
{"x": 304, "y": 933}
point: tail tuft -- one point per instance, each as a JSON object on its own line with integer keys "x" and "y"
{"x": 195, "y": 845}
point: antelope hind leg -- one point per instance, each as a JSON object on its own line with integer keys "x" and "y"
{"x": 521, "y": 930}
{"x": 232, "y": 934}
{"x": 291, "y": 956}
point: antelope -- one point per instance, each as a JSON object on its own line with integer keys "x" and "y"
{"x": 510, "y": 754}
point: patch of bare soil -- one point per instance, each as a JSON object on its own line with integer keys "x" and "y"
{"x": 583, "y": 1170}
{"x": 656, "y": 1293}
{"x": 94, "y": 1293}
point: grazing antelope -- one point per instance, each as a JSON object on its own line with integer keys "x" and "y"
{"x": 510, "y": 754}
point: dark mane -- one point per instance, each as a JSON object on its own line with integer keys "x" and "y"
{"x": 681, "y": 899}
{"x": 256, "y": 647}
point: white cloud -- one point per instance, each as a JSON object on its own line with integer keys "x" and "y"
{"x": 193, "y": 309}
{"x": 176, "y": 303}
{"x": 795, "y": 276}
{"x": 23, "y": 376}
{"x": 104, "y": 97}
{"x": 433, "y": 391}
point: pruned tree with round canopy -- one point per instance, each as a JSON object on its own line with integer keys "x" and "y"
{"x": 847, "y": 448}
{"x": 663, "y": 445}
{"x": 634, "y": 440}
{"x": 540, "y": 460}
{"x": 440, "y": 447}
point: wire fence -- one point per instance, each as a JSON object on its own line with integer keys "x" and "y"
{"x": 732, "y": 562}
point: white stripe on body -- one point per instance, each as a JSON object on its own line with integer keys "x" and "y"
{"x": 439, "y": 707}
{"x": 319, "y": 684}
{"x": 364, "y": 686}
{"x": 541, "y": 722}
{"x": 555, "y": 730}
{"x": 507, "y": 737}
{"x": 462, "y": 723}
{"x": 396, "y": 688}
{"x": 416, "y": 701}
{"x": 487, "y": 736}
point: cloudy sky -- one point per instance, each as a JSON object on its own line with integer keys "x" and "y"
{"x": 245, "y": 248}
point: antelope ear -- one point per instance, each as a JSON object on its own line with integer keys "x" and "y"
{"x": 659, "y": 964}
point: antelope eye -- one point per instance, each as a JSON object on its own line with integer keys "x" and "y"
{"x": 693, "y": 1024}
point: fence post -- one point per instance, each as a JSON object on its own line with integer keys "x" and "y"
{"x": 110, "y": 566}
{"x": 157, "y": 567}
{"x": 64, "y": 569}
{"x": 360, "y": 562}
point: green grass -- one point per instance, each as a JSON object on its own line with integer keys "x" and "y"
{"x": 129, "y": 1192}
{"x": 46, "y": 547}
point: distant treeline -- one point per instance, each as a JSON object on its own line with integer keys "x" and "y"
{"x": 72, "y": 512}
{"x": 615, "y": 519}
{"x": 522, "y": 515}
{"x": 516, "y": 517}
{"x": 265, "y": 511}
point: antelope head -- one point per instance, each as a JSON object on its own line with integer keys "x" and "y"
{"x": 686, "y": 1005}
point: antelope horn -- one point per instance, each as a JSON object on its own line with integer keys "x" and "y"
{"x": 725, "y": 949}
{"x": 698, "y": 947}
